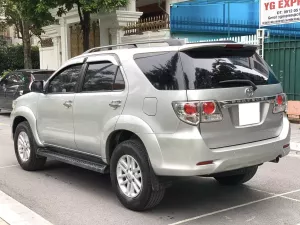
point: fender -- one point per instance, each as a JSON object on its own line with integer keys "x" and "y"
{"x": 141, "y": 129}
{"x": 30, "y": 117}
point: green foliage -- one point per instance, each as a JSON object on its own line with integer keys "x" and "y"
{"x": 16, "y": 11}
{"x": 12, "y": 58}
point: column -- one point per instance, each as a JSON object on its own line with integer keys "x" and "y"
{"x": 131, "y": 5}
{"x": 168, "y": 4}
{"x": 115, "y": 35}
{"x": 57, "y": 52}
{"x": 65, "y": 41}
{"x": 104, "y": 32}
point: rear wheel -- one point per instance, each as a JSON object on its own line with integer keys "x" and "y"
{"x": 241, "y": 177}
{"x": 131, "y": 177}
{"x": 26, "y": 147}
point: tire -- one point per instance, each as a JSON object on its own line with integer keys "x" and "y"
{"x": 240, "y": 178}
{"x": 33, "y": 162}
{"x": 148, "y": 197}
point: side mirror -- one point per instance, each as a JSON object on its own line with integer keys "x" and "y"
{"x": 37, "y": 86}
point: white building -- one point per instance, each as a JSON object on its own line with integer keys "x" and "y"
{"x": 138, "y": 21}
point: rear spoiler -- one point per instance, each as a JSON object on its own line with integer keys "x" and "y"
{"x": 225, "y": 45}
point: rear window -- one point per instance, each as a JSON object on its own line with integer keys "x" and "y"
{"x": 163, "y": 69}
{"x": 204, "y": 69}
{"x": 42, "y": 75}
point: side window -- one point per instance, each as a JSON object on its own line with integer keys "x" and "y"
{"x": 65, "y": 81}
{"x": 162, "y": 69}
{"x": 100, "y": 77}
{"x": 13, "y": 79}
{"x": 119, "y": 84}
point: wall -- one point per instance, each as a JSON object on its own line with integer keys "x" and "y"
{"x": 147, "y": 36}
{"x": 234, "y": 18}
{"x": 46, "y": 58}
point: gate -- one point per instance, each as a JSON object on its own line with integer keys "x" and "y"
{"x": 77, "y": 38}
{"x": 282, "y": 53}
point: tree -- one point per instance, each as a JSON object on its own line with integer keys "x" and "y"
{"x": 27, "y": 21}
{"x": 85, "y": 9}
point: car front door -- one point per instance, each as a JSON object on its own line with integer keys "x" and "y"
{"x": 55, "y": 108}
{"x": 99, "y": 102}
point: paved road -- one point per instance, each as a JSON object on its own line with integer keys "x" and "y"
{"x": 65, "y": 194}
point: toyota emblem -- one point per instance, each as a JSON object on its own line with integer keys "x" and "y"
{"x": 249, "y": 92}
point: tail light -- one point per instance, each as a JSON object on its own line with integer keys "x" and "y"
{"x": 280, "y": 103}
{"x": 197, "y": 111}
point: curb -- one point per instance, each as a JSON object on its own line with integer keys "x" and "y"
{"x": 14, "y": 213}
{"x": 295, "y": 146}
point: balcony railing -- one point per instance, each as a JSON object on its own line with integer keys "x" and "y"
{"x": 154, "y": 23}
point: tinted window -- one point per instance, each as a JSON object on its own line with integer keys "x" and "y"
{"x": 66, "y": 80}
{"x": 100, "y": 77}
{"x": 119, "y": 84}
{"x": 42, "y": 75}
{"x": 202, "y": 70}
{"x": 14, "y": 78}
{"x": 162, "y": 69}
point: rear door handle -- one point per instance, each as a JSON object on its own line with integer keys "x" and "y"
{"x": 115, "y": 104}
{"x": 68, "y": 104}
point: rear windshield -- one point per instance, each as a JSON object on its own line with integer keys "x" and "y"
{"x": 204, "y": 69}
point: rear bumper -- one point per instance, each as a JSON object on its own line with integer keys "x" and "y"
{"x": 181, "y": 152}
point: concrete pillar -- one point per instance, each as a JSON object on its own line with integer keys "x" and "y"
{"x": 57, "y": 51}
{"x": 115, "y": 35}
{"x": 65, "y": 41}
{"x": 104, "y": 35}
{"x": 131, "y": 5}
{"x": 168, "y": 3}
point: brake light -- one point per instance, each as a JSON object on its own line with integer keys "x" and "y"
{"x": 279, "y": 99}
{"x": 190, "y": 108}
{"x": 208, "y": 108}
{"x": 187, "y": 112}
{"x": 280, "y": 103}
{"x": 197, "y": 111}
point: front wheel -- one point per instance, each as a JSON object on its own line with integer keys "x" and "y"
{"x": 131, "y": 177}
{"x": 241, "y": 177}
{"x": 25, "y": 148}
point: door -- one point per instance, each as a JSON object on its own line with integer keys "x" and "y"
{"x": 244, "y": 88}
{"x": 99, "y": 103}
{"x": 14, "y": 88}
{"x": 9, "y": 89}
{"x": 2, "y": 92}
{"x": 55, "y": 108}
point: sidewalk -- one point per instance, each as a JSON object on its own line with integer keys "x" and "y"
{"x": 14, "y": 213}
{"x": 2, "y": 222}
{"x": 295, "y": 138}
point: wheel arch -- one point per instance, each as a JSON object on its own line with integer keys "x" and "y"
{"x": 131, "y": 127}
{"x": 25, "y": 114}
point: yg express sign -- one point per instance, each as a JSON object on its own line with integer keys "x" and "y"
{"x": 279, "y": 12}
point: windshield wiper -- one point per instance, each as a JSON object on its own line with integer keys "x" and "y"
{"x": 240, "y": 81}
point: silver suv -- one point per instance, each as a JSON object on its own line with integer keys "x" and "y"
{"x": 149, "y": 114}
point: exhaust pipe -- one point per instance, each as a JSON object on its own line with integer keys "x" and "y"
{"x": 276, "y": 160}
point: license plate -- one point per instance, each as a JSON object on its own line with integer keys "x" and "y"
{"x": 249, "y": 113}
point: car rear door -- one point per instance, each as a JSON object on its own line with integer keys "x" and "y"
{"x": 55, "y": 108}
{"x": 221, "y": 73}
{"x": 99, "y": 102}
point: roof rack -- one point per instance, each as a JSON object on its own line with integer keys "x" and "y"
{"x": 207, "y": 42}
{"x": 170, "y": 42}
